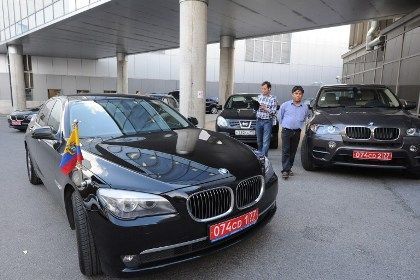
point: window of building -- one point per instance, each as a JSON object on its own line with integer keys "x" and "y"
{"x": 271, "y": 49}
{"x": 110, "y": 91}
{"x": 82, "y": 91}
{"x": 29, "y": 94}
{"x": 28, "y": 76}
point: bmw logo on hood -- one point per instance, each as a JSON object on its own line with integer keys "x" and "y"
{"x": 223, "y": 171}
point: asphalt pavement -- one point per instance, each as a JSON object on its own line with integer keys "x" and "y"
{"x": 340, "y": 223}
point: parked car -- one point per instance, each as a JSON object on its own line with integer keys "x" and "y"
{"x": 361, "y": 125}
{"x": 19, "y": 119}
{"x": 212, "y": 106}
{"x": 166, "y": 98}
{"x": 153, "y": 189}
{"x": 238, "y": 119}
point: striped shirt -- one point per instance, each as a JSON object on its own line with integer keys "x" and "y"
{"x": 271, "y": 103}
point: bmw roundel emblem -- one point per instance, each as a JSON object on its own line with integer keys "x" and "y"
{"x": 223, "y": 171}
{"x": 371, "y": 124}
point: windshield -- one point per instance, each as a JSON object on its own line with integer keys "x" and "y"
{"x": 124, "y": 116}
{"x": 242, "y": 102}
{"x": 357, "y": 97}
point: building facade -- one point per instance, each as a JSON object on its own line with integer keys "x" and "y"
{"x": 394, "y": 61}
{"x": 309, "y": 58}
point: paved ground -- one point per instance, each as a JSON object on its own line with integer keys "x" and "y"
{"x": 332, "y": 224}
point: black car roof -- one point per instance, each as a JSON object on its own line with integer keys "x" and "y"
{"x": 354, "y": 85}
{"x": 93, "y": 96}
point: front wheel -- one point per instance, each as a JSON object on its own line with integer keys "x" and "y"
{"x": 32, "y": 176}
{"x": 88, "y": 256}
{"x": 306, "y": 157}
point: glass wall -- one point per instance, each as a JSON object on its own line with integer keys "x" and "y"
{"x": 20, "y": 16}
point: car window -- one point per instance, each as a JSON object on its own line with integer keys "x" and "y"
{"x": 357, "y": 97}
{"x": 242, "y": 102}
{"x": 124, "y": 116}
{"x": 55, "y": 116}
{"x": 44, "y": 113}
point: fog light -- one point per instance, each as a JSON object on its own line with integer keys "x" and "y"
{"x": 413, "y": 148}
{"x": 130, "y": 261}
{"x": 332, "y": 144}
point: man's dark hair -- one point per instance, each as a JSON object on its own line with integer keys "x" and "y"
{"x": 267, "y": 83}
{"x": 295, "y": 88}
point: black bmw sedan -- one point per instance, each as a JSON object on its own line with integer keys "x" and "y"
{"x": 238, "y": 119}
{"x": 153, "y": 189}
{"x": 19, "y": 119}
{"x": 361, "y": 125}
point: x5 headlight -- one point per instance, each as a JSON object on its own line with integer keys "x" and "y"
{"x": 324, "y": 129}
{"x": 413, "y": 131}
{"x": 131, "y": 205}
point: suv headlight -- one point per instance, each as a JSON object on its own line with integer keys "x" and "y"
{"x": 324, "y": 129}
{"x": 221, "y": 121}
{"x": 131, "y": 205}
{"x": 413, "y": 131}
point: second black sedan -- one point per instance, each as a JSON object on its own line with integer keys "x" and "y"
{"x": 153, "y": 190}
{"x": 19, "y": 119}
{"x": 238, "y": 119}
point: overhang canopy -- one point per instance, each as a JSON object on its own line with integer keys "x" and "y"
{"x": 136, "y": 26}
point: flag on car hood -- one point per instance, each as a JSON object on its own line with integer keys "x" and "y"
{"x": 72, "y": 153}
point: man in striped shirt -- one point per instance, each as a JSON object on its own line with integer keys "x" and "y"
{"x": 265, "y": 114}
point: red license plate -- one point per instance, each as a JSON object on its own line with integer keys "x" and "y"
{"x": 372, "y": 155}
{"x": 226, "y": 228}
{"x": 14, "y": 122}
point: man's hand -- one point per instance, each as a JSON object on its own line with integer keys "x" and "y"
{"x": 263, "y": 107}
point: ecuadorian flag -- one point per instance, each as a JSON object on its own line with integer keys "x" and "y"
{"x": 72, "y": 152}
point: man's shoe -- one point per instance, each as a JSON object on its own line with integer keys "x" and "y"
{"x": 291, "y": 173}
{"x": 285, "y": 174}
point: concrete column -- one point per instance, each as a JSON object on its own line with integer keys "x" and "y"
{"x": 17, "y": 79}
{"x": 193, "y": 59}
{"x": 122, "y": 74}
{"x": 226, "y": 69}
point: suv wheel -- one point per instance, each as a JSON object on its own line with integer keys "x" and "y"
{"x": 88, "y": 256}
{"x": 306, "y": 157}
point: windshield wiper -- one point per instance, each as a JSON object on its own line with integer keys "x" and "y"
{"x": 338, "y": 106}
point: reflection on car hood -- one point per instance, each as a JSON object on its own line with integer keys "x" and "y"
{"x": 182, "y": 157}
{"x": 365, "y": 116}
{"x": 242, "y": 114}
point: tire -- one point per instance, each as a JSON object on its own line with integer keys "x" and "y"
{"x": 306, "y": 157}
{"x": 88, "y": 256}
{"x": 32, "y": 176}
{"x": 214, "y": 110}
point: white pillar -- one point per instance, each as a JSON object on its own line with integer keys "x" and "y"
{"x": 122, "y": 74}
{"x": 226, "y": 69}
{"x": 193, "y": 55}
{"x": 17, "y": 79}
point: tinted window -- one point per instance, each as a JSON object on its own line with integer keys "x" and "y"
{"x": 242, "y": 102}
{"x": 55, "y": 116}
{"x": 357, "y": 97}
{"x": 123, "y": 116}
{"x": 44, "y": 113}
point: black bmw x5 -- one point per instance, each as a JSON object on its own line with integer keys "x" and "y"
{"x": 361, "y": 125}
{"x": 153, "y": 189}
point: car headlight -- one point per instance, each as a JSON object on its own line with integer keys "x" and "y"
{"x": 221, "y": 121}
{"x": 131, "y": 205}
{"x": 324, "y": 129}
{"x": 413, "y": 131}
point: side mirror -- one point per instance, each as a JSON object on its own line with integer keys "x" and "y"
{"x": 408, "y": 105}
{"x": 193, "y": 120}
{"x": 44, "y": 132}
{"x": 311, "y": 103}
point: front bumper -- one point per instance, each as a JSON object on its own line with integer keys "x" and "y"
{"x": 22, "y": 126}
{"x": 342, "y": 154}
{"x": 248, "y": 139}
{"x": 161, "y": 241}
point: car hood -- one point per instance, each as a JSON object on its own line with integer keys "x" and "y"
{"x": 170, "y": 160}
{"x": 242, "y": 114}
{"x": 366, "y": 117}
{"x": 24, "y": 112}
